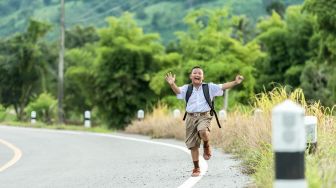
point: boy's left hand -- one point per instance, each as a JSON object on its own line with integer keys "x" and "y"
{"x": 239, "y": 79}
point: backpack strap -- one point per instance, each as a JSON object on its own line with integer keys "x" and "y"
{"x": 188, "y": 94}
{"x": 206, "y": 93}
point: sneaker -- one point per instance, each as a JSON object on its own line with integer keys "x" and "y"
{"x": 207, "y": 153}
{"x": 196, "y": 172}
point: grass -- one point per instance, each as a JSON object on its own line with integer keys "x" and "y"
{"x": 249, "y": 137}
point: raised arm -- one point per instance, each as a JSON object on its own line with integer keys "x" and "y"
{"x": 170, "y": 78}
{"x": 231, "y": 84}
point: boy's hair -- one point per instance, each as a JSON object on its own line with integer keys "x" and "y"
{"x": 195, "y": 67}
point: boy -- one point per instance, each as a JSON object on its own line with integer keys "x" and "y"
{"x": 198, "y": 118}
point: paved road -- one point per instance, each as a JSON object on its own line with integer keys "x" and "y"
{"x": 69, "y": 159}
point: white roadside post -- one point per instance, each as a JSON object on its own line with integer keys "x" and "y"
{"x": 289, "y": 144}
{"x": 311, "y": 133}
{"x": 141, "y": 115}
{"x": 87, "y": 119}
{"x": 257, "y": 114}
{"x": 176, "y": 113}
{"x": 222, "y": 115}
{"x": 33, "y": 117}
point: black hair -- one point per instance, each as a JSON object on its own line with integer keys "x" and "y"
{"x": 195, "y": 67}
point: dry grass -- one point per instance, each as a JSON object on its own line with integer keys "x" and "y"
{"x": 159, "y": 124}
{"x": 249, "y": 137}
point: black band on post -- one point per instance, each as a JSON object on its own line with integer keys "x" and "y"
{"x": 289, "y": 165}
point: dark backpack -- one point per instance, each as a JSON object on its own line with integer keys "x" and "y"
{"x": 205, "y": 88}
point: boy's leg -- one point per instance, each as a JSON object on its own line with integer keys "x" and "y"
{"x": 195, "y": 158}
{"x": 205, "y": 136}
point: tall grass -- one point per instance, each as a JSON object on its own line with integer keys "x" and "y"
{"x": 249, "y": 137}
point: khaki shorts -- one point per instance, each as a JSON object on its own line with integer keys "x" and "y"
{"x": 193, "y": 125}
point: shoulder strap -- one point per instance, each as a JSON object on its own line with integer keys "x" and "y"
{"x": 206, "y": 93}
{"x": 188, "y": 94}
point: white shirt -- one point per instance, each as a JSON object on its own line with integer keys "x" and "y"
{"x": 197, "y": 102}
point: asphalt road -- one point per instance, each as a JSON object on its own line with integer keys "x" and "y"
{"x": 60, "y": 159}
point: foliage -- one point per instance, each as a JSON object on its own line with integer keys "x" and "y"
{"x": 126, "y": 63}
{"x": 22, "y": 66}
{"x": 325, "y": 15}
{"x": 79, "y": 80}
{"x": 78, "y": 36}
{"x": 288, "y": 45}
{"x": 44, "y": 106}
{"x": 209, "y": 45}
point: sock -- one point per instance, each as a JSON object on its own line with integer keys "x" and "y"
{"x": 206, "y": 144}
{"x": 196, "y": 164}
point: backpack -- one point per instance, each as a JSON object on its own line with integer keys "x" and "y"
{"x": 205, "y": 88}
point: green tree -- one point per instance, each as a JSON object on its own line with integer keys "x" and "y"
{"x": 289, "y": 44}
{"x": 208, "y": 43}
{"x": 125, "y": 65}
{"x": 325, "y": 12}
{"x": 79, "y": 81}
{"x": 78, "y": 36}
{"x": 21, "y": 66}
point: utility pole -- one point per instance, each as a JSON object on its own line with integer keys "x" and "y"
{"x": 61, "y": 67}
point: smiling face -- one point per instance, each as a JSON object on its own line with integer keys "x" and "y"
{"x": 196, "y": 76}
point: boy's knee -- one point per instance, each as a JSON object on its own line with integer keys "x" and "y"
{"x": 203, "y": 133}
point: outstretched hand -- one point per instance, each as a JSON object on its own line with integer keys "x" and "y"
{"x": 239, "y": 79}
{"x": 170, "y": 78}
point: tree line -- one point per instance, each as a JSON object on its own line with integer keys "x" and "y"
{"x": 118, "y": 69}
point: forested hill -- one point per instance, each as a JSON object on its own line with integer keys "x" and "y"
{"x": 162, "y": 16}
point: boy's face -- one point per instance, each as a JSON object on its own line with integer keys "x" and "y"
{"x": 196, "y": 76}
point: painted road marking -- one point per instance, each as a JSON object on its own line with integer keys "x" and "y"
{"x": 16, "y": 157}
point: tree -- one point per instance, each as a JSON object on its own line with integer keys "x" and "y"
{"x": 209, "y": 44}
{"x": 21, "y": 67}
{"x": 78, "y": 36}
{"x": 325, "y": 13}
{"x": 79, "y": 81}
{"x": 125, "y": 65}
{"x": 289, "y": 44}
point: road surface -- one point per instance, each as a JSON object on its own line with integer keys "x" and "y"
{"x": 50, "y": 158}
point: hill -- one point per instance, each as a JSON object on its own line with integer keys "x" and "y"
{"x": 162, "y": 16}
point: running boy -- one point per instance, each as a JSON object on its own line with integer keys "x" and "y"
{"x": 198, "y": 120}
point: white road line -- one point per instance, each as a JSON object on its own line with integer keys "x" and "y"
{"x": 16, "y": 157}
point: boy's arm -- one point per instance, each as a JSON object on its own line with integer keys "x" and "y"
{"x": 231, "y": 84}
{"x": 170, "y": 78}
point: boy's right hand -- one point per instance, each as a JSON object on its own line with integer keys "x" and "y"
{"x": 170, "y": 78}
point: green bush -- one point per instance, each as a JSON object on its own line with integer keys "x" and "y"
{"x": 44, "y": 106}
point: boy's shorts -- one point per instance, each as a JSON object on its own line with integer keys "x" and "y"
{"x": 194, "y": 124}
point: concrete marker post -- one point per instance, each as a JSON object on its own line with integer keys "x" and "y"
{"x": 289, "y": 144}
{"x": 222, "y": 115}
{"x": 87, "y": 119}
{"x": 33, "y": 117}
{"x": 311, "y": 133}
{"x": 141, "y": 114}
{"x": 257, "y": 115}
{"x": 176, "y": 113}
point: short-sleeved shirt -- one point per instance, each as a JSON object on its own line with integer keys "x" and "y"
{"x": 197, "y": 102}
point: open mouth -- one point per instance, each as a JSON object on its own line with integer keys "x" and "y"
{"x": 197, "y": 79}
